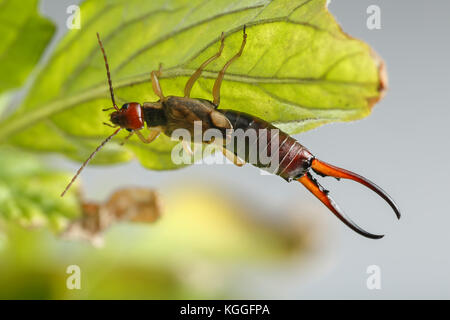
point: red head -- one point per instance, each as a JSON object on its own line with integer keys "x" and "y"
{"x": 128, "y": 117}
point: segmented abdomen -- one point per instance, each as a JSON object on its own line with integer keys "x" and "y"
{"x": 265, "y": 146}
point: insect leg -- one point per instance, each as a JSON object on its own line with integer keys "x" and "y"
{"x": 219, "y": 143}
{"x": 155, "y": 83}
{"x": 127, "y": 137}
{"x": 187, "y": 147}
{"x": 109, "y": 125}
{"x": 196, "y": 75}
{"x": 217, "y": 84}
{"x": 154, "y": 133}
{"x": 232, "y": 157}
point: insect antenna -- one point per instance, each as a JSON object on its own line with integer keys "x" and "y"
{"x": 107, "y": 72}
{"x": 87, "y": 160}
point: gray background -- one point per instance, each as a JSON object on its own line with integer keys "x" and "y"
{"x": 402, "y": 146}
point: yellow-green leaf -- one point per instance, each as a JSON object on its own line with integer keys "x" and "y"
{"x": 298, "y": 71}
{"x": 24, "y": 37}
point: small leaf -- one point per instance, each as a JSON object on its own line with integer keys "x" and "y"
{"x": 24, "y": 37}
{"x": 29, "y": 193}
{"x": 298, "y": 71}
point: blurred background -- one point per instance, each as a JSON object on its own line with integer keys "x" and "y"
{"x": 229, "y": 232}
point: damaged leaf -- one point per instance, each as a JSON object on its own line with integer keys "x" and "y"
{"x": 24, "y": 36}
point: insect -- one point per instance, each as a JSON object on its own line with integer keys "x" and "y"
{"x": 171, "y": 112}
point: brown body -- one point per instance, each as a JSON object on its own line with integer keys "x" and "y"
{"x": 183, "y": 112}
{"x": 293, "y": 161}
{"x": 293, "y": 158}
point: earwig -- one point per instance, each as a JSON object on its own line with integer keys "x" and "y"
{"x": 170, "y": 113}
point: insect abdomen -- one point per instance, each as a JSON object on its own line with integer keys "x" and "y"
{"x": 267, "y": 147}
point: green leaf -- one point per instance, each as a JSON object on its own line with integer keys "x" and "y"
{"x": 29, "y": 193}
{"x": 24, "y": 37}
{"x": 298, "y": 71}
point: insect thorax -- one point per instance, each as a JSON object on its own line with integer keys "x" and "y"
{"x": 154, "y": 116}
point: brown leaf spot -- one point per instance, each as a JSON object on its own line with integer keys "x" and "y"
{"x": 382, "y": 81}
{"x": 131, "y": 204}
